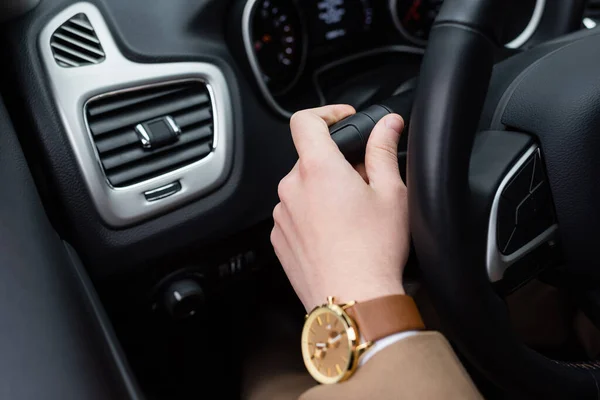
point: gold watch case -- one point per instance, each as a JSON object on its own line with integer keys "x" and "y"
{"x": 331, "y": 345}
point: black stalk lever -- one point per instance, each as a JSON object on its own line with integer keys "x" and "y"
{"x": 351, "y": 134}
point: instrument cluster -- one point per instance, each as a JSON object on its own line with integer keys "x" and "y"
{"x": 286, "y": 39}
{"x": 284, "y": 33}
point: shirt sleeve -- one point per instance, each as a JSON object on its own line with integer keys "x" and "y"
{"x": 383, "y": 343}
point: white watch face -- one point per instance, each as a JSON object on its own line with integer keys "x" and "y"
{"x": 328, "y": 343}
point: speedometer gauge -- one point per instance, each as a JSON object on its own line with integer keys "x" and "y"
{"x": 278, "y": 43}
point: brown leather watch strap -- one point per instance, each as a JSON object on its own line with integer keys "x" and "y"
{"x": 385, "y": 316}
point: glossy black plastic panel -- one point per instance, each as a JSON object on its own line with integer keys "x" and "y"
{"x": 55, "y": 342}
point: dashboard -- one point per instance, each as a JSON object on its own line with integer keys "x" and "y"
{"x": 168, "y": 128}
{"x": 292, "y": 44}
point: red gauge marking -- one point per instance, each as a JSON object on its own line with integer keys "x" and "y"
{"x": 413, "y": 12}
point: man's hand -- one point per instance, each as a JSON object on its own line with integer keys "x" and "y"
{"x": 341, "y": 231}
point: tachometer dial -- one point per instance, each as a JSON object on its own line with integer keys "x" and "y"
{"x": 278, "y": 43}
{"x": 414, "y": 18}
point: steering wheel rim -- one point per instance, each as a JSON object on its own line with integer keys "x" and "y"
{"x": 455, "y": 75}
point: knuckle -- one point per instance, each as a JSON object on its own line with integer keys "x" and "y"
{"x": 282, "y": 188}
{"x": 286, "y": 186}
{"x": 277, "y": 213}
{"x": 297, "y": 118}
{"x": 309, "y": 164}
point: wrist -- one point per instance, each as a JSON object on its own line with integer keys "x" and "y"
{"x": 360, "y": 291}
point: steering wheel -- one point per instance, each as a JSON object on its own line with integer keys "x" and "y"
{"x": 473, "y": 193}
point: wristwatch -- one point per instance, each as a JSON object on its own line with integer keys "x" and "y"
{"x": 335, "y": 336}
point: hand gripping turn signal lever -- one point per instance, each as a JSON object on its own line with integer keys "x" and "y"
{"x": 351, "y": 134}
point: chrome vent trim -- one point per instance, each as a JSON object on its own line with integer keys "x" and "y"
{"x": 112, "y": 118}
{"x": 72, "y": 88}
{"x": 75, "y": 43}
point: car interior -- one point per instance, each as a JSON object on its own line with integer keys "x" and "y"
{"x": 141, "y": 148}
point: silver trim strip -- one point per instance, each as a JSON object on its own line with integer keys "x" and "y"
{"x": 73, "y": 87}
{"x": 496, "y": 262}
{"x": 531, "y": 27}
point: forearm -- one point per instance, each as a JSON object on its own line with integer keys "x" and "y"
{"x": 423, "y": 366}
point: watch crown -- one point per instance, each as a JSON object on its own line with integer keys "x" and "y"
{"x": 330, "y": 300}
{"x": 348, "y": 305}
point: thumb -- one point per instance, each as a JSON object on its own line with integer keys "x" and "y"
{"x": 381, "y": 158}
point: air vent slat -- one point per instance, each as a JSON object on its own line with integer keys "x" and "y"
{"x": 82, "y": 21}
{"x": 192, "y": 118}
{"x": 78, "y": 43}
{"x": 150, "y": 111}
{"x": 76, "y": 32}
{"x": 66, "y": 60}
{"x": 151, "y": 168}
{"x": 75, "y": 44}
{"x": 126, "y": 160}
{"x": 137, "y": 153}
{"x": 124, "y": 102}
{"x": 73, "y": 52}
{"x": 119, "y": 140}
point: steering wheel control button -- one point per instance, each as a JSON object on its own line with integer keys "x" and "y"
{"x": 163, "y": 191}
{"x": 158, "y": 132}
{"x": 534, "y": 212}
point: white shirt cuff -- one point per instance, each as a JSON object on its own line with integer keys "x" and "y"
{"x": 383, "y": 343}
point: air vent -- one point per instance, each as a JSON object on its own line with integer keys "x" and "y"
{"x": 112, "y": 120}
{"x": 75, "y": 43}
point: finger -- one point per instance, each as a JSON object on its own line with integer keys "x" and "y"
{"x": 381, "y": 158}
{"x": 362, "y": 171}
{"x": 310, "y": 128}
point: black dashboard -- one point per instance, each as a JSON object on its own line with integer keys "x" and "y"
{"x": 259, "y": 61}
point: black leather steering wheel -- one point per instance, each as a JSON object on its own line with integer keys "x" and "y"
{"x": 443, "y": 129}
